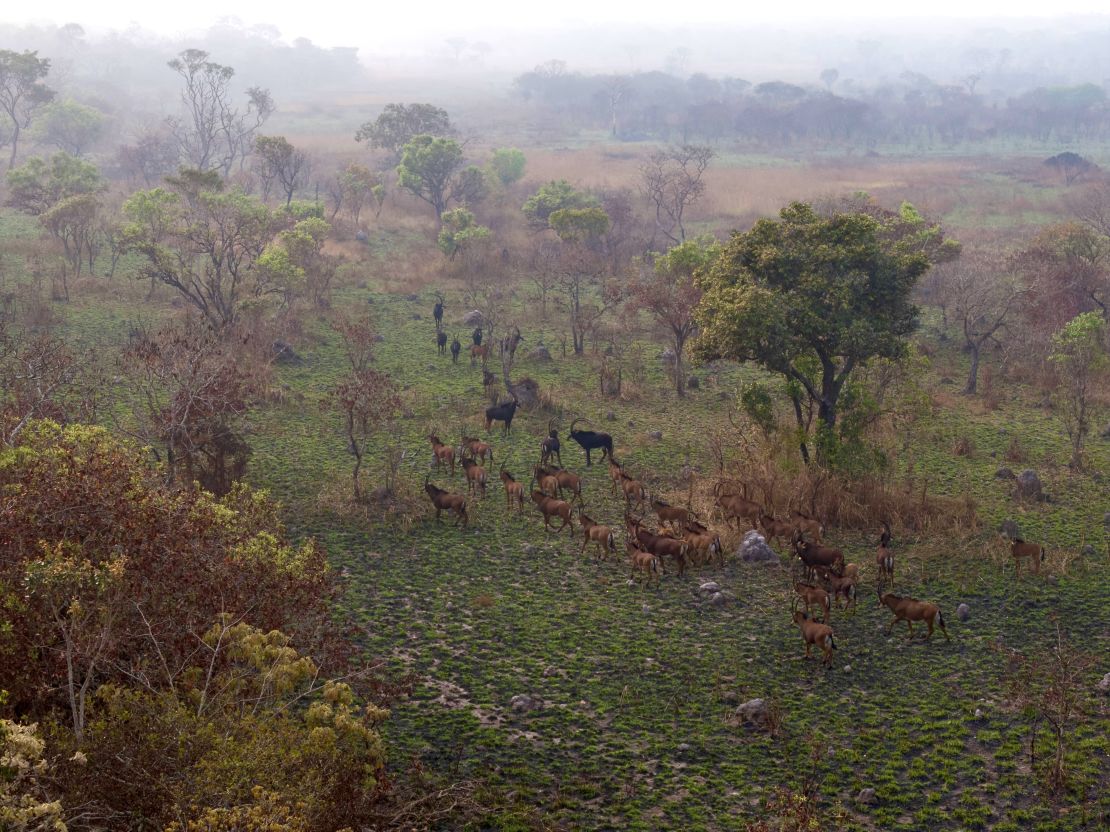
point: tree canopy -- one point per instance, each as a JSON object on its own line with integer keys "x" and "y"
{"x": 399, "y": 124}
{"x": 432, "y": 169}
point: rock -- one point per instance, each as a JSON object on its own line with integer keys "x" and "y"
{"x": 709, "y": 587}
{"x": 752, "y": 714}
{"x": 610, "y": 416}
{"x": 474, "y": 318}
{"x": 285, "y": 354}
{"x": 1106, "y": 520}
{"x": 1004, "y": 474}
{"x": 667, "y": 356}
{"x": 721, "y": 599}
{"x": 378, "y": 338}
{"x": 645, "y": 609}
{"x": 1105, "y": 432}
{"x": 1104, "y": 685}
{"x": 522, "y": 703}
{"x": 540, "y": 353}
{"x": 847, "y": 668}
{"x": 730, "y": 697}
{"x": 1009, "y": 528}
{"x": 978, "y": 713}
{"x": 528, "y": 549}
{"x": 362, "y": 236}
{"x": 1088, "y": 551}
{"x": 693, "y": 382}
{"x": 1029, "y": 486}
{"x": 867, "y": 797}
{"x": 412, "y": 298}
{"x": 632, "y": 423}
{"x": 656, "y": 434}
{"x": 963, "y": 612}
{"x": 416, "y": 316}
{"x": 431, "y": 367}
{"x": 754, "y": 549}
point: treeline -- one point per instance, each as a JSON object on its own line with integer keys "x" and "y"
{"x": 914, "y": 110}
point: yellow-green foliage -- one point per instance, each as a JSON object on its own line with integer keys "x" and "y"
{"x": 23, "y": 806}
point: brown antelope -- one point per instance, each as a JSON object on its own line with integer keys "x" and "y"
{"x": 843, "y": 586}
{"x": 646, "y": 563}
{"x": 735, "y": 508}
{"x": 566, "y": 480}
{"x": 910, "y": 609}
{"x": 633, "y": 491}
{"x": 676, "y": 516}
{"x": 1020, "y": 549}
{"x": 884, "y": 557}
{"x": 446, "y": 501}
{"x": 547, "y": 481}
{"x": 806, "y": 525}
{"x": 479, "y": 351}
{"x": 551, "y": 507}
{"x": 475, "y": 476}
{"x": 658, "y": 544}
{"x": 813, "y": 596}
{"x": 813, "y": 555}
{"x": 615, "y": 473}
{"x": 596, "y": 533}
{"x": 775, "y": 529}
{"x": 705, "y": 543}
{"x": 513, "y": 490}
{"x": 477, "y": 448}
{"x": 442, "y": 453}
{"x": 814, "y": 632}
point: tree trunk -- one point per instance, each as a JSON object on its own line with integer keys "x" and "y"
{"x": 679, "y": 368}
{"x": 15, "y": 142}
{"x": 973, "y": 373}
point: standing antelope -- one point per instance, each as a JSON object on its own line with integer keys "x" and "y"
{"x": 813, "y": 633}
{"x": 884, "y": 558}
{"x": 513, "y": 490}
{"x": 813, "y": 596}
{"x": 596, "y": 533}
{"x": 910, "y": 609}
{"x": 442, "y": 453}
{"x": 550, "y": 507}
{"x": 645, "y": 563}
{"x": 1020, "y": 549}
{"x": 475, "y": 476}
{"x": 477, "y": 448}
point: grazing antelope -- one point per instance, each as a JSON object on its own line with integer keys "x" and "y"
{"x": 843, "y": 586}
{"x": 547, "y": 481}
{"x": 442, "y": 453}
{"x": 437, "y": 311}
{"x": 1020, "y": 549}
{"x": 910, "y": 609}
{"x": 814, "y": 632}
{"x": 774, "y": 529}
{"x": 446, "y": 501}
{"x": 510, "y": 342}
{"x": 597, "y": 533}
{"x": 645, "y": 563}
{"x": 884, "y": 557}
{"x": 551, "y": 507}
{"x": 477, "y": 449}
{"x": 513, "y": 490}
{"x": 813, "y": 596}
{"x": 475, "y": 476}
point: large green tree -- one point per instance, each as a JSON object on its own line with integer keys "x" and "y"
{"x": 399, "y": 124}
{"x": 556, "y": 195}
{"x": 70, "y": 126}
{"x": 434, "y": 170}
{"x": 815, "y": 296}
{"x": 22, "y": 92}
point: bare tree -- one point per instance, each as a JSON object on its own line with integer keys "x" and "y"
{"x": 982, "y": 297}
{"x": 672, "y": 180}
{"x": 215, "y": 134}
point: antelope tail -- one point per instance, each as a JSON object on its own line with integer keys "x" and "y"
{"x": 832, "y": 643}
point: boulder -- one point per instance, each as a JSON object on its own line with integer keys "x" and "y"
{"x": 656, "y": 435}
{"x": 1004, "y": 474}
{"x": 693, "y": 383}
{"x": 751, "y": 714}
{"x": 1029, "y": 486}
{"x": 362, "y": 236}
{"x": 1088, "y": 551}
{"x": 610, "y": 416}
{"x": 539, "y": 353}
{"x": 754, "y": 549}
{"x": 867, "y": 797}
{"x": 412, "y": 297}
{"x": 1104, "y": 685}
{"x": 709, "y": 588}
{"x": 522, "y": 703}
{"x": 721, "y": 599}
{"x": 1009, "y": 528}
{"x": 285, "y": 354}
{"x": 667, "y": 356}
{"x": 473, "y": 318}
{"x": 1105, "y": 432}
{"x": 963, "y": 612}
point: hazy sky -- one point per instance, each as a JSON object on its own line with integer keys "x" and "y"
{"x": 379, "y": 25}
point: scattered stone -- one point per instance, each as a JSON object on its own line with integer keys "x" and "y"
{"x": 1104, "y": 685}
{"x": 656, "y": 434}
{"x": 528, "y": 549}
{"x": 610, "y": 416}
{"x": 1009, "y": 528}
{"x": 730, "y": 697}
{"x": 721, "y": 599}
{"x": 522, "y": 703}
{"x": 416, "y": 316}
{"x": 978, "y": 713}
{"x": 867, "y": 797}
{"x": 752, "y": 714}
{"x": 430, "y": 367}
{"x": 1029, "y": 486}
{"x": 285, "y": 354}
{"x": 1088, "y": 551}
{"x": 645, "y": 609}
{"x": 474, "y": 318}
{"x": 1105, "y": 432}
{"x": 412, "y": 298}
{"x": 362, "y": 236}
{"x": 754, "y": 549}
{"x": 632, "y": 423}
{"x": 667, "y": 356}
{"x": 540, "y": 353}
{"x": 963, "y": 612}
{"x": 1004, "y": 474}
{"x": 709, "y": 587}
{"x": 378, "y": 338}
{"x": 1106, "y": 520}
{"x": 722, "y": 394}
{"x": 693, "y": 382}
{"x": 847, "y": 668}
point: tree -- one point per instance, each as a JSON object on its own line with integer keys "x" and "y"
{"x": 982, "y": 297}
{"x": 814, "y": 297}
{"x": 1079, "y": 353}
{"x": 278, "y": 160}
{"x": 1065, "y": 267}
{"x": 358, "y": 185}
{"x": 669, "y": 293}
{"x": 368, "y": 401}
{"x": 672, "y": 181}
{"x": 73, "y": 222}
{"x": 432, "y": 169}
{"x": 22, "y": 93}
{"x": 551, "y": 197}
{"x": 297, "y": 262}
{"x": 1071, "y": 166}
{"x": 203, "y": 242}
{"x": 399, "y": 124}
{"x": 152, "y": 156}
{"x": 460, "y": 230}
{"x": 581, "y": 266}
{"x": 70, "y": 126}
{"x": 507, "y": 165}
{"x": 214, "y": 134}
{"x": 36, "y": 185}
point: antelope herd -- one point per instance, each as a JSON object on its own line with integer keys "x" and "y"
{"x": 682, "y": 538}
